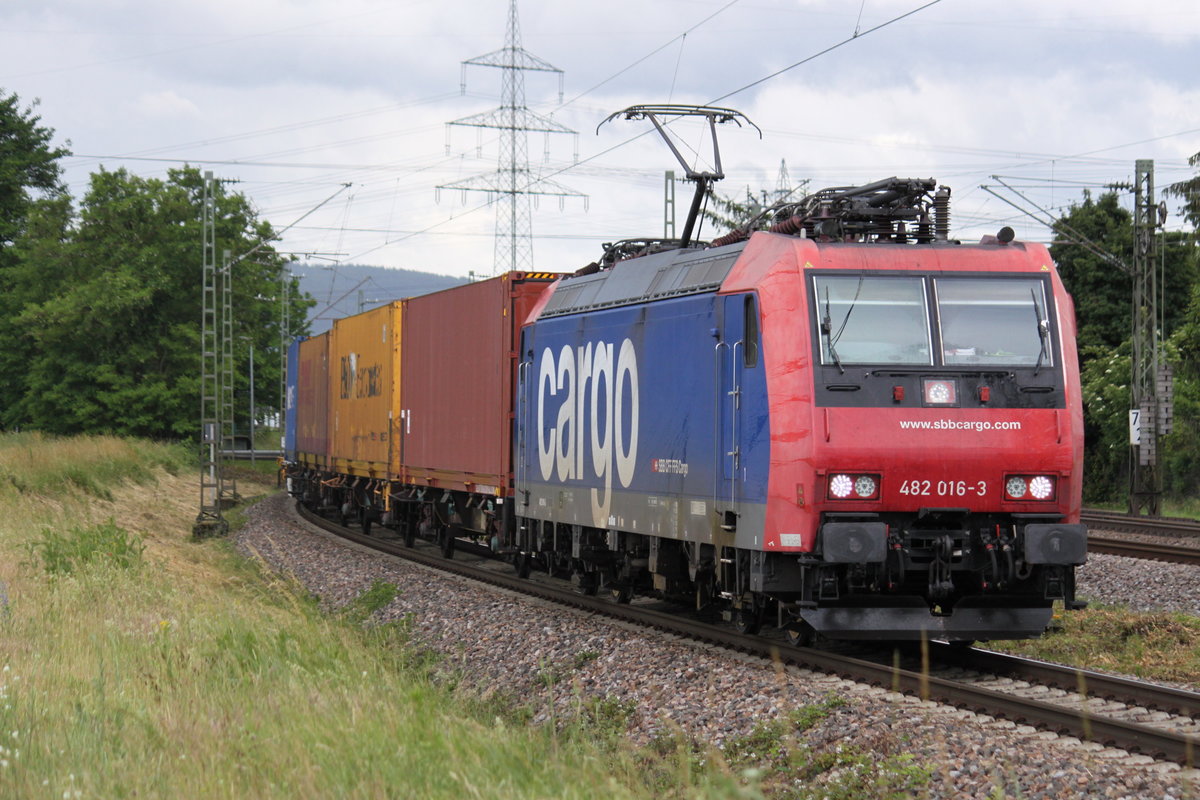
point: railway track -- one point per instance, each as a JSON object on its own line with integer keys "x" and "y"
{"x": 1156, "y": 721}
{"x": 1132, "y": 523}
{"x": 1175, "y": 554}
{"x": 1185, "y": 531}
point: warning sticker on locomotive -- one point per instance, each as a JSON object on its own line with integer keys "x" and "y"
{"x": 918, "y": 487}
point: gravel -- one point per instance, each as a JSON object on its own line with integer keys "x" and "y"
{"x": 1139, "y": 584}
{"x": 550, "y": 656}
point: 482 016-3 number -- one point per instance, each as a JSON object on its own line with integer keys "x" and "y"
{"x": 919, "y": 487}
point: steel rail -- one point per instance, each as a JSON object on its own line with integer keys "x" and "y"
{"x": 1153, "y": 551}
{"x": 1134, "y": 692}
{"x": 1136, "y": 737}
{"x": 1132, "y": 523}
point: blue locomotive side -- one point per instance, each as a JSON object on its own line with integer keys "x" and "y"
{"x": 646, "y": 418}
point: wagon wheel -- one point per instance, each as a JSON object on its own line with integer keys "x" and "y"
{"x": 446, "y": 540}
{"x": 585, "y": 582}
{"x": 704, "y": 591}
{"x": 800, "y": 634}
{"x": 410, "y": 533}
{"x": 620, "y": 591}
{"x": 365, "y": 519}
{"x": 523, "y": 562}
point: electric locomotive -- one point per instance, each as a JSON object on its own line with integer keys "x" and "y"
{"x": 848, "y": 424}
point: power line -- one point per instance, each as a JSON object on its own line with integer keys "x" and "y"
{"x": 831, "y": 48}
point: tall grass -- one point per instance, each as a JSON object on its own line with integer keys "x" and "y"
{"x": 140, "y": 688}
{"x": 32, "y": 463}
{"x": 1155, "y": 645}
{"x": 135, "y": 662}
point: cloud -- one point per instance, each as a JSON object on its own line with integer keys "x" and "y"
{"x": 165, "y": 105}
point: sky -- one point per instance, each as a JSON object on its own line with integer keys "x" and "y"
{"x": 295, "y": 99}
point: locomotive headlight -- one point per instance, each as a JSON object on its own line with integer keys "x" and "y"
{"x": 865, "y": 486}
{"x": 1041, "y": 487}
{"x": 1015, "y": 487}
{"x": 1030, "y": 487}
{"x": 840, "y": 486}
{"x": 939, "y": 392}
{"x": 844, "y": 486}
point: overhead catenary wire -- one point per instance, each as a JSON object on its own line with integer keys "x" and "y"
{"x": 855, "y": 36}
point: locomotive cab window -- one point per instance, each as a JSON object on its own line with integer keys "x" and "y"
{"x": 1002, "y": 321}
{"x": 750, "y": 332}
{"x": 872, "y": 319}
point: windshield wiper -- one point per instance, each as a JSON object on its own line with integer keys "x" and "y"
{"x": 1043, "y": 329}
{"x": 827, "y": 329}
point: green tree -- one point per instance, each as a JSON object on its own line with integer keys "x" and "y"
{"x": 1101, "y": 288}
{"x": 111, "y": 306}
{"x": 725, "y": 214}
{"x": 1103, "y": 291}
{"x": 29, "y": 172}
{"x": 1189, "y": 191}
{"x": 28, "y": 166}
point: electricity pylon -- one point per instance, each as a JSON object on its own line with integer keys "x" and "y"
{"x": 513, "y": 184}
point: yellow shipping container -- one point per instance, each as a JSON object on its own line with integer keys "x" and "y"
{"x": 364, "y": 372}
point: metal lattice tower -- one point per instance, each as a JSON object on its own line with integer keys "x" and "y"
{"x": 209, "y": 521}
{"x": 784, "y": 188}
{"x": 783, "y": 182}
{"x": 228, "y": 442}
{"x": 669, "y": 204}
{"x": 1151, "y": 384}
{"x": 513, "y": 184}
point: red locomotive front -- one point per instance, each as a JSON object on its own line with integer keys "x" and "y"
{"x": 926, "y": 435}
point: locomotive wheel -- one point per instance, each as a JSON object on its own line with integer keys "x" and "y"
{"x": 748, "y": 619}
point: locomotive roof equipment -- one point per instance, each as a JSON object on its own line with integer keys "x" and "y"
{"x": 704, "y": 180}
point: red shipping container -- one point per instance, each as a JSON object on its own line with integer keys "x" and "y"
{"x": 312, "y": 402}
{"x": 458, "y": 371}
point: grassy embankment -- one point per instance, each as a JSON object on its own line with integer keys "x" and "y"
{"x": 136, "y": 662}
{"x": 1156, "y": 646}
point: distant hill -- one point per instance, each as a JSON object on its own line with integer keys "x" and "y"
{"x": 344, "y": 289}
